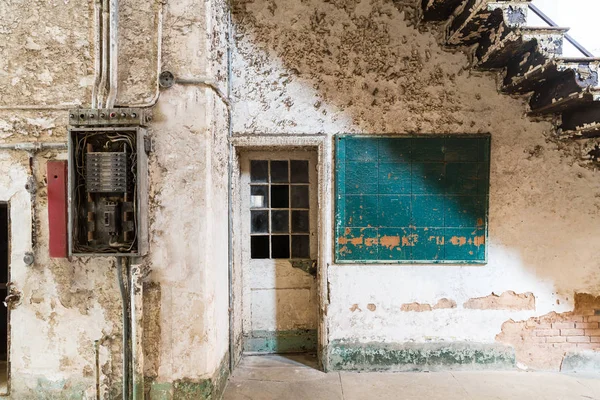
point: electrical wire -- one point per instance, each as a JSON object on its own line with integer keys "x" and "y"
{"x": 107, "y": 143}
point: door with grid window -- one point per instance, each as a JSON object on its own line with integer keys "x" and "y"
{"x": 279, "y": 249}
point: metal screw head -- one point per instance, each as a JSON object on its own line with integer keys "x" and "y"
{"x": 30, "y": 185}
{"x": 166, "y": 79}
{"x": 28, "y": 258}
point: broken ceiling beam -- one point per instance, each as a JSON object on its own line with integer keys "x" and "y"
{"x": 473, "y": 21}
{"x": 584, "y": 70}
{"x": 503, "y": 43}
{"x": 563, "y": 95}
{"x": 439, "y": 10}
{"x": 581, "y": 123}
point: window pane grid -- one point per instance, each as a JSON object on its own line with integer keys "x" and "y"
{"x": 280, "y": 191}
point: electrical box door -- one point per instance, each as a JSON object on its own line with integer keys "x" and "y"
{"x": 108, "y": 183}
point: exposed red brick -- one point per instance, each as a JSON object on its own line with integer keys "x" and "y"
{"x": 548, "y": 332}
{"x": 588, "y": 346}
{"x": 563, "y": 325}
{"x": 586, "y": 325}
{"x": 564, "y": 346}
{"x": 578, "y": 339}
{"x": 538, "y": 325}
{"x": 572, "y": 332}
{"x": 537, "y": 341}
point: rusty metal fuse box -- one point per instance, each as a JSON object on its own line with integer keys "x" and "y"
{"x": 108, "y": 187}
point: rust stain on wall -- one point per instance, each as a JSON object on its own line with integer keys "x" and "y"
{"x": 508, "y": 300}
{"x": 542, "y": 342}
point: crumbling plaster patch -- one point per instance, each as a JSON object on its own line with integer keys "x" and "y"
{"x": 337, "y": 67}
{"x": 543, "y": 342}
{"x": 46, "y": 49}
{"x": 46, "y": 58}
{"x": 508, "y": 300}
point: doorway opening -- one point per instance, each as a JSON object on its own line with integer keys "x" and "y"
{"x": 4, "y": 279}
{"x": 278, "y": 206}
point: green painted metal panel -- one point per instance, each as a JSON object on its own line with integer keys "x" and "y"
{"x": 412, "y": 199}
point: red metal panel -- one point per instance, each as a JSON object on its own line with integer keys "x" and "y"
{"x": 57, "y": 208}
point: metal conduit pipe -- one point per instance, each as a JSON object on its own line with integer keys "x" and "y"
{"x": 98, "y": 51}
{"x": 33, "y": 146}
{"x": 209, "y": 83}
{"x": 125, "y": 321}
{"x": 102, "y": 65}
{"x": 230, "y": 197}
{"x": 40, "y": 107}
{"x": 113, "y": 42}
{"x": 137, "y": 351}
{"x": 104, "y": 70}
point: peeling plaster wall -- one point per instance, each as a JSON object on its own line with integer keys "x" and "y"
{"x": 307, "y": 67}
{"x": 47, "y": 59}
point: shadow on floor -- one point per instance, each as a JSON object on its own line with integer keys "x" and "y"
{"x": 295, "y": 377}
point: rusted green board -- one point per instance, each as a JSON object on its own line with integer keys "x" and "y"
{"x": 412, "y": 199}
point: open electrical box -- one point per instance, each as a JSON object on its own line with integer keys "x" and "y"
{"x": 108, "y": 182}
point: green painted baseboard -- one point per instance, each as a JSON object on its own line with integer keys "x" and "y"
{"x": 438, "y": 356}
{"x": 185, "y": 389}
{"x": 291, "y": 341}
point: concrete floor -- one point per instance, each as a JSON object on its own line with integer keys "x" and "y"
{"x": 293, "y": 377}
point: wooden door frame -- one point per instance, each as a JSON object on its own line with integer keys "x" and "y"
{"x": 323, "y": 148}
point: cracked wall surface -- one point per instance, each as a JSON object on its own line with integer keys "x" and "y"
{"x": 308, "y": 67}
{"x": 300, "y": 67}
{"x": 46, "y": 65}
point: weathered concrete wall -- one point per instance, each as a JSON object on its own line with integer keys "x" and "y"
{"x": 306, "y": 67}
{"x": 47, "y": 60}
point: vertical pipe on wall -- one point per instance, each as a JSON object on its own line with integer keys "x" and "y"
{"x": 97, "y": 51}
{"x": 104, "y": 69}
{"x": 232, "y": 348}
{"x": 113, "y": 53}
{"x": 137, "y": 359}
{"x": 125, "y": 321}
{"x": 97, "y": 353}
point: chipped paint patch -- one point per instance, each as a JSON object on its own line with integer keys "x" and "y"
{"x": 508, "y": 300}
{"x": 374, "y": 356}
{"x": 417, "y": 307}
{"x": 444, "y": 304}
{"x": 355, "y": 307}
{"x": 187, "y": 389}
